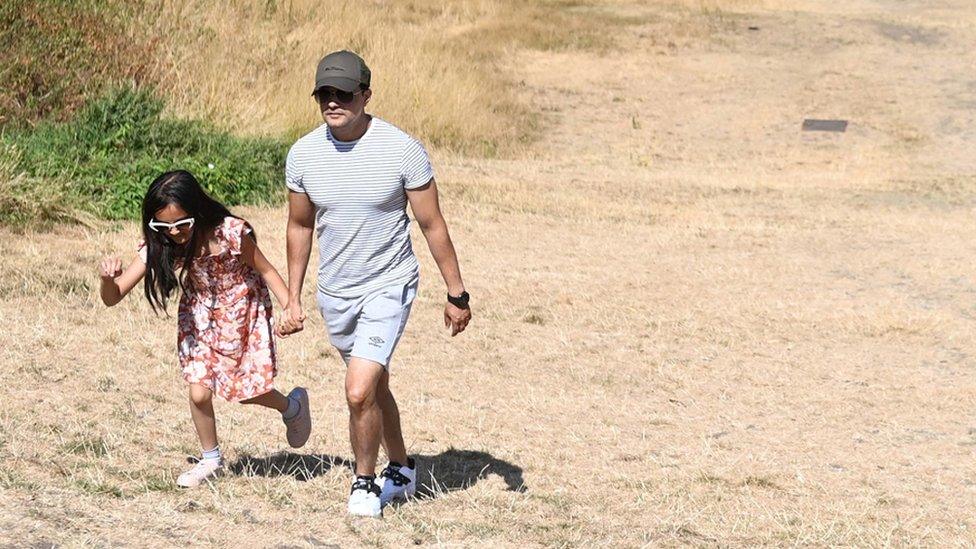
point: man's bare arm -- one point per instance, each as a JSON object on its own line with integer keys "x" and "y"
{"x": 301, "y": 223}
{"x": 426, "y": 209}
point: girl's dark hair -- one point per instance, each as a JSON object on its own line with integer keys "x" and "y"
{"x": 179, "y": 188}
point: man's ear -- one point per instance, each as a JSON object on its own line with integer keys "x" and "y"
{"x": 367, "y": 93}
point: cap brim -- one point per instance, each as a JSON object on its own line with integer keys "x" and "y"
{"x": 337, "y": 82}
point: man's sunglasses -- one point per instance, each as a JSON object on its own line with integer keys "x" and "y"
{"x": 157, "y": 225}
{"x": 326, "y": 94}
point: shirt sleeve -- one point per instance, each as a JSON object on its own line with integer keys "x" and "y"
{"x": 415, "y": 168}
{"x": 293, "y": 175}
{"x": 234, "y": 231}
{"x": 141, "y": 250}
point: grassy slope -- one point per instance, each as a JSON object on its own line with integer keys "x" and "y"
{"x": 77, "y": 143}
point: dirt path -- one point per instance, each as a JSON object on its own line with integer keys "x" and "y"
{"x": 695, "y": 324}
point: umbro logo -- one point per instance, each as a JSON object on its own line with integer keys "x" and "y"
{"x": 376, "y": 341}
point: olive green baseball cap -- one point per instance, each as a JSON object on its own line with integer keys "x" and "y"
{"x": 342, "y": 70}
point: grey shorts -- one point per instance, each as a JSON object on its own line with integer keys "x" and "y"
{"x": 369, "y": 326}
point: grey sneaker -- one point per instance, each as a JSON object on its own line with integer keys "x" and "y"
{"x": 204, "y": 470}
{"x": 299, "y": 427}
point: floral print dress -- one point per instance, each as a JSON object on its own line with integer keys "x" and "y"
{"x": 225, "y": 339}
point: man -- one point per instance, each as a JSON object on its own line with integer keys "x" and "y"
{"x": 351, "y": 179}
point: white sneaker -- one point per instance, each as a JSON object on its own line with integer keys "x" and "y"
{"x": 398, "y": 481}
{"x": 364, "y": 499}
{"x": 205, "y": 469}
{"x": 300, "y": 426}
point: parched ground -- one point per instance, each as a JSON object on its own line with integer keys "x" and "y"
{"x": 694, "y": 323}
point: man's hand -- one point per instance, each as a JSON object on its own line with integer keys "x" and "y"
{"x": 298, "y": 244}
{"x": 292, "y": 321}
{"x": 456, "y": 318}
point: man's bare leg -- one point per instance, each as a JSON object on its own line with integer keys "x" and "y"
{"x": 365, "y": 417}
{"x": 392, "y": 436}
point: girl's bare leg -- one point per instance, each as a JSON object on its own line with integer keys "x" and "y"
{"x": 201, "y": 410}
{"x": 271, "y": 399}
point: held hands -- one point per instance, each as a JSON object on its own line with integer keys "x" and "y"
{"x": 292, "y": 320}
{"x": 110, "y": 268}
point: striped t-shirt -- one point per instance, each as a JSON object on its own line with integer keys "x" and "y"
{"x": 358, "y": 188}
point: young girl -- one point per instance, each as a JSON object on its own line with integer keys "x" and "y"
{"x": 226, "y": 345}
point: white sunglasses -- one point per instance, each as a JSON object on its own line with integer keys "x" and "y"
{"x": 157, "y": 225}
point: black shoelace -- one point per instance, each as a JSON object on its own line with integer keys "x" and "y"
{"x": 367, "y": 484}
{"x": 394, "y": 474}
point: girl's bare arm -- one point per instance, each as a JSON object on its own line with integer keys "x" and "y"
{"x": 253, "y": 256}
{"x": 117, "y": 283}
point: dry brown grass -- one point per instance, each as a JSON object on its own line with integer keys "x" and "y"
{"x": 29, "y": 201}
{"x": 705, "y": 328}
{"x": 440, "y": 66}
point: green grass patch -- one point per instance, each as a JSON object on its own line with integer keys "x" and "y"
{"x": 98, "y": 488}
{"x": 102, "y": 160}
{"x": 92, "y": 446}
{"x": 158, "y": 482}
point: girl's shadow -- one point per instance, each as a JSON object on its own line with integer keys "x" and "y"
{"x": 300, "y": 466}
{"x": 438, "y": 474}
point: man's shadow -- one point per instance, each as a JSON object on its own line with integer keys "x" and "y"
{"x": 448, "y": 471}
{"x": 460, "y": 469}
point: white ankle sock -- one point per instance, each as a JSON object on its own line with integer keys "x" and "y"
{"x": 293, "y": 408}
{"x": 212, "y": 454}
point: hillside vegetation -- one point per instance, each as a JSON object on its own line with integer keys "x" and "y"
{"x": 125, "y": 90}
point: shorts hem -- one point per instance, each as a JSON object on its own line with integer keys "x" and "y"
{"x": 385, "y": 366}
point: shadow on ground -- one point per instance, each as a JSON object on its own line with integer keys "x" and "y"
{"x": 448, "y": 471}
{"x": 300, "y": 466}
{"x": 460, "y": 469}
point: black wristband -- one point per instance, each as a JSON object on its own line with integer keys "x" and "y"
{"x": 460, "y": 301}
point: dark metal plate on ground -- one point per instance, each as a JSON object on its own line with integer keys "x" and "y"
{"x": 814, "y": 125}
